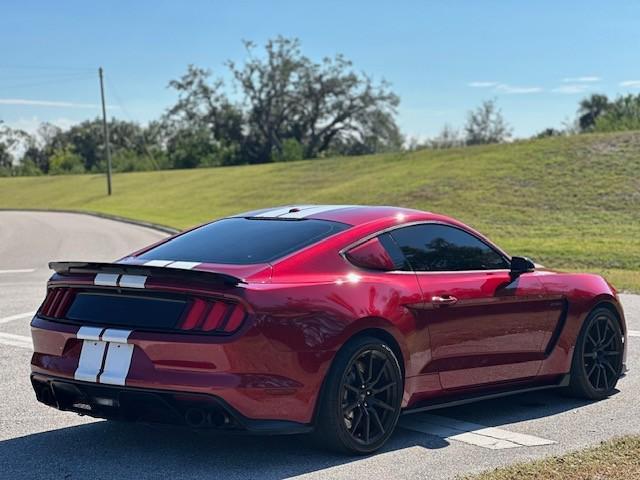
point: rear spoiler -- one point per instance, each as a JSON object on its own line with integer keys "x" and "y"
{"x": 65, "y": 268}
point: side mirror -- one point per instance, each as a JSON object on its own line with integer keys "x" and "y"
{"x": 371, "y": 255}
{"x": 521, "y": 265}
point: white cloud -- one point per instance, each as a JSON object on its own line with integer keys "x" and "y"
{"x": 504, "y": 87}
{"x": 31, "y": 124}
{"x": 50, "y": 103}
{"x": 514, "y": 89}
{"x": 585, "y": 79}
{"x": 571, "y": 88}
{"x": 630, "y": 83}
{"x": 482, "y": 84}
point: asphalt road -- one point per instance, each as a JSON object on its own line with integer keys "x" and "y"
{"x": 39, "y": 442}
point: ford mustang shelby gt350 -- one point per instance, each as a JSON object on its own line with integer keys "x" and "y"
{"x": 335, "y": 319}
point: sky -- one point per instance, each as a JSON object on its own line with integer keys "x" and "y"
{"x": 538, "y": 59}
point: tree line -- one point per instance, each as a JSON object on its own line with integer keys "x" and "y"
{"x": 277, "y": 105}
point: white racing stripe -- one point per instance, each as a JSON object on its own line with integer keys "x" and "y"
{"x": 132, "y": 281}
{"x": 90, "y": 362}
{"x": 117, "y": 364}
{"x": 482, "y": 436}
{"x": 19, "y": 341}
{"x": 17, "y": 316}
{"x": 105, "y": 356}
{"x": 106, "y": 279}
{"x": 89, "y": 333}
{"x": 299, "y": 211}
{"x": 276, "y": 212}
{"x": 306, "y": 212}
{"x": 115, "y": 335}
{"x": 158, "y": 263}
{"x": 91, "y": 355}
{"x": 184, "y": 265}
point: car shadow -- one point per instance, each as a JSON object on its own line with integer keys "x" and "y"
{"x": 104, "y": 449}
{"x": 501, "y": 412}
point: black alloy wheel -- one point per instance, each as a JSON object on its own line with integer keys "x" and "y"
{"x": 369, "y": 389}
{"x": 361, "y": 402}
{"x": 597, "y": 362}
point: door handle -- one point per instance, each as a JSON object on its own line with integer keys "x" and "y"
{"x": 444, "y": 300}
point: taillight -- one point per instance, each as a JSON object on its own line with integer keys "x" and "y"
{"x": 213, "y": 316}
{"x": 57, "y": 302}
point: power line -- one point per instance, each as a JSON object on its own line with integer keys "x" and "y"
{"x": 40, "y": 76}
{"x": 120, "y": 103}
{"x": 45, "y": 67}
{"x": 47, "y": 82}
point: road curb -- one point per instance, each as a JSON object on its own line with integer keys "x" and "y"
{"x": 108, "y": 216}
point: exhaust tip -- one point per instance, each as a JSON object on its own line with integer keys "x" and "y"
{"x": 46, "y": 396}
{"x": 219, "y": 418}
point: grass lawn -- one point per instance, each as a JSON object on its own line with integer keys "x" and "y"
{"x": 569, "y": 203}
{"x": 617, "y": 459}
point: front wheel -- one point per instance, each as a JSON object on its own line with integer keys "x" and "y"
{"x": 597, "y": 359}
{"x": 361, "y": 400}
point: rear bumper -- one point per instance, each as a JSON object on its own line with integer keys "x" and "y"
{"x": 199, "y": 411}
{"x": 247, "y": 372}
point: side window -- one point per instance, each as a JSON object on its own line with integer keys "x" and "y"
{"x": 438, "y": 248}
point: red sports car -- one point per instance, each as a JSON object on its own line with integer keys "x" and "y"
{"x": 329, "y": 318}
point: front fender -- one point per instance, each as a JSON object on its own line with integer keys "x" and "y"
{"x": 583, "y": 293}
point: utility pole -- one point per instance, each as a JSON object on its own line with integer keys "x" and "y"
{"x": 105, "y": 128}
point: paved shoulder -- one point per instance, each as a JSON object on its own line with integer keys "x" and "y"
{"x": 30, "y": 240}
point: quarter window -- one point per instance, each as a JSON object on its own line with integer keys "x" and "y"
{"x": 438, "y": 248}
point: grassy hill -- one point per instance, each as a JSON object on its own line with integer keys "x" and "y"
{"x": 569, "y": 203}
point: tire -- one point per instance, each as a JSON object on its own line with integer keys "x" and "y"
{"x": 597, "y": 359}
{"x": 353, "y": 419}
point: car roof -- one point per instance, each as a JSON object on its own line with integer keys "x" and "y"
{"x": 349, "y": 214}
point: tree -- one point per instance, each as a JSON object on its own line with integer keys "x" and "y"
{"x": 448, "y": 137}
{"x": 65, "y": 161}
{"x": 11, "y": 142}
{"x": 36, "y": 157}
{"x": 284, "y": 95}
{"x": 6, "y": 159}
{"x": 621, "y": 114}
{"x": 548, "y": 132}
{"x": 334, "y": 103}
{"x": 86, "y": 139}
{"x": 590, "y": 108}
{"x": 486, "y": 124}
{"x": 203, "y": 105}
{"x": 194, "y": 147}
{"x": 291, "y": 150}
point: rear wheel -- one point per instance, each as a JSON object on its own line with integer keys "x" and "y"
{"x": 597, "y": 360}
{"x": 360, "y": 404}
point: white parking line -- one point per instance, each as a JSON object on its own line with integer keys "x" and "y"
{"x": 482, "y": 436}
{"x": 633, "y": 333}
{"x": 17, "y": 316}
{"x": 16, "y": 340}
{"x": 19, "y": 270}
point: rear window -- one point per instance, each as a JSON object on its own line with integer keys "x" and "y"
{"x": 244, "y": 241}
